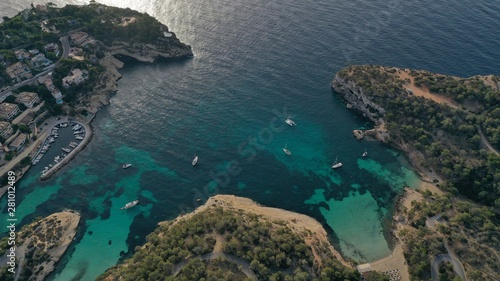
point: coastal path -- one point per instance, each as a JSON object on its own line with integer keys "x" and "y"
{"x": 215, "y": 254}
{"x": 245, "y": 266}
{"x": 485, "y": 141}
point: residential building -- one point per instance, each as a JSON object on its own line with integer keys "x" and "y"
{"x": 18, "y": 72}
{"x": 75, "y": 77}
{"x": 56, "y": 93}
{"x": 78, "y": 37}
{"x": 22, "y": 54}
{"x": 29, "y": 99}
{"x": 51, "y": 47}
{"x": 8, "y": 110}
{"x": 34, "y": 51}
{"x": 5, "y": 129}
{"x": 40, "y": 60}
{"x": 18, "y": 143}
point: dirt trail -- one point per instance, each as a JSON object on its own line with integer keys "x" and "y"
{"x": 424, "y": 92}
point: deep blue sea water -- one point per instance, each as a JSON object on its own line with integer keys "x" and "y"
{"x": 255, "y": 64}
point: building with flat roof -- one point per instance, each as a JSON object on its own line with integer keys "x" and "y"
{"x": 29, "y": 99}
{"x": 18, "y": 143}
{"x": 78, "y": 37}
{"x": 75, "y": 77}
{"x": 40, "y": 60}
{"x": 18, "y": 72}
{"x": 5, "y": 130}
{"x": 8, "y": 110}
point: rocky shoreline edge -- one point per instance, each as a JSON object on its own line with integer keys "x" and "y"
{"x": 355, "y": 98}
{"x": 299, "y": 223}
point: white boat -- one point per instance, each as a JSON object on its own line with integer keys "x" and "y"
{"x": 365, "y": 153}
{"x": 290, "y": 121}
{"x": 130, "y": 205}
{"x": 79, "y": 137}
{"x": 125, "y": 166}
{"x": 336, "y": 164}
{"x": 195, "y": 160}
{"x": 52, "y": 140}
{"x": 287, "y": 152}
{"x": 67, "y": 150}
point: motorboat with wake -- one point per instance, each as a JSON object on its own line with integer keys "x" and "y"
{"x": 130, "y": 205}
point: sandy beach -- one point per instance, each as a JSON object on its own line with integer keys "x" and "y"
{"x": 396, "y": 260}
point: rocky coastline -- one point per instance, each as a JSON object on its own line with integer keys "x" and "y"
{"x": 147, "y": 53}
{"x": 43, "y": 243}
{"x": 357, "y": 100}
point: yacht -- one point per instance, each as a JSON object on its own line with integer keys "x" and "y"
{"x": 67, "y": 150}
{"x": 290, "y": 121}
{"x": 130, "y": 205}
{"x": 125, "y": 166}
{"x": 336, "y": 164}
{"x": 52, "y": 140}
{"x": 287, "y": 152}
{"x": 195, "y": 160}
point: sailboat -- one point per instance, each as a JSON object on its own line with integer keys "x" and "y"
{"x": 336, "y": 164}
{"x": 365, "y": 153}
{"x": 195, "y": 160}
{"x": 286, "y": 150}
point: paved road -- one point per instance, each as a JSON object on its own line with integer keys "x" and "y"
{"x": 66, "y": 49}
{"x": 458, "y": 268}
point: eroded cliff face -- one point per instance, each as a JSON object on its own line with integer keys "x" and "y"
{"x": 356, "y": 99}
{"x": 354, "y": 95}
{"x": 170, "y": 49}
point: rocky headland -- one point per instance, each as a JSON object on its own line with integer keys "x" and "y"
{"x": 41, "y": 244}
{"x": 448, "y": 127}
{"x": 234, "y": 238}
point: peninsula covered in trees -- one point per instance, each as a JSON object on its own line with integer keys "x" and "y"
{"x": 449, "y": 127}
{"x": 233, "y": 238}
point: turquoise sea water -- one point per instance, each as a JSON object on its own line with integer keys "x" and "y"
{"x": 255, "y": 64}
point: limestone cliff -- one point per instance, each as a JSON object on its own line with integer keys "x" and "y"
{"x": 354, "y": 95}
{"x": 42, "y": 243}
{"x": 356, "y": 99}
